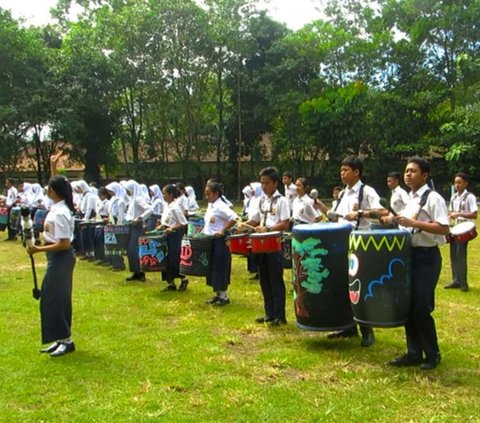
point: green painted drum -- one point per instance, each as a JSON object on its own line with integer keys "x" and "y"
{"x": 116, "y": 240}
{"x": 380, "y": 276}
{"x": 195, "y": 255}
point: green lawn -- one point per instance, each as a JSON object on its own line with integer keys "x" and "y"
{"x": 145, "y": 355}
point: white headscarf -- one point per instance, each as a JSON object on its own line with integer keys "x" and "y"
{"x": 38, "y": 197}
{"x": 27, "y": 195}
{"x": 116, "y": 207}
{"x": 192, "y": 198}
{"x": 137, "y": 203}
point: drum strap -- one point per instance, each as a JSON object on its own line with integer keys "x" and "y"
{"x": 264, "y": 213}
{"x": 423, "y": 201}
{"x": 360, "y": 200}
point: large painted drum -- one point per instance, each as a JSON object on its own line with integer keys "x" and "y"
{"x": 195, "y": 255}
{"x": 320, "y": 276}
{"x": 14, "y": 217}
{"x": 380, "y": 277}
{"x": 39, "y": 220}
{"x": 3, "y": 218}
{"x": 195, "y": 225}
{"x": 116, "y": 240}
{"x": 152, "y": 251}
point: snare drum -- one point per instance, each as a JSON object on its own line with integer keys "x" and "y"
{"x": 239, "y": 244}
{"x": 268, "y": 242}
{"x": 462, "y": 232}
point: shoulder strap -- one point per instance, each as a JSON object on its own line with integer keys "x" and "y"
{"x": 340, "y": 196}
{"x": 424, "y": 198}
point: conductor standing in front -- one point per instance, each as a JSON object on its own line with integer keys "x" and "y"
{"x": 426, "y": 216}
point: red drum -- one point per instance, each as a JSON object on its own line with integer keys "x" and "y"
{"x": 239, "y": 244}
{"x": 462, "y": 232}
{"x": 268, "y": 242}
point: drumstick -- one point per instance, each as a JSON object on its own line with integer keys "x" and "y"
{"x": 246, "y": 225}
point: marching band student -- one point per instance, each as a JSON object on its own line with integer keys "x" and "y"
{"x": 182, "y": 199}
{"x": 192, "y": 199}
{"x": 10, "y": 202}
{"x": 87, "y": 210}
{"x": 173, "y": 222}
{"x": 356, "y": 203}
{"x": 38, "y": 202}
{"x": 249, "y": 209}
{"x": 462, "y": 208}
{"x": 102, "y": 216}
{"x": 303, "y": 208}
{"x": 426, "y": 215}
{"x": 116, "y": 216}
{"x": 219, "y": 218}
{"x": 56, "y": 292}
{"x": 335, "y": 194}
{"x": 153, "y": 215}
{"x": 399, "y": 196}
{"x": 225, "y": 199}
{"x": 290, "y": 187}
{"x": 272, "y": 214}
{"x": 137, "y": 206}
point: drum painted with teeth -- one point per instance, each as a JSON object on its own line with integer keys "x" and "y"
{"x": 320, "y": 276}
{"x": 380, "y": 276}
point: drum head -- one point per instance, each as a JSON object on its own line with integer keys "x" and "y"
{"x": 462, "y": 228}
{"x": 266, "y": 234}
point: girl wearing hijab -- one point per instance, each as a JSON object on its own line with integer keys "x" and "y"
{"x": 192, "y": 199}
{"x": 137, "y": 209}
{"x": 156, "y": 208}
{"x": 56, "y": 296}
{"x": 173, "y": 222}
{"x": 87, "y": 210}
{"x": 116, "y": 216}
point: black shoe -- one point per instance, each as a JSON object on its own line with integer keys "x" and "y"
{"x": 63, "y": 348}
{"x": 170, "y": 287}
{"x": 347, "y": 333}
{"x": 264, "y": 319}
{"x": 431, "y": 362}
{"x": 183, "y": 285}
{"x": 136, "y": 277}
{"x": 368, "y": 337}
{"x": 50, "y": 348}
{"x": 213, "y": 300}
{"x": 221, "y": 302}
{"x": 406, "y": 360}
{"x": 255, "y": 277}
{"x": 278, "y": 322}
{"x": 453, "y": 285}
{"x": 464, "y": 288}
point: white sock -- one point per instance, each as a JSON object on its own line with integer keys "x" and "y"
{"x": 222, "y": 294}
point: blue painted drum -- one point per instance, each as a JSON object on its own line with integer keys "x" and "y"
{"x": 14, "y": 217}
{"x": 116, "y": 240}
{"x": 195, "y": 225}
{"x": 3, "y": 218}
{"x": 152, "y": 252}
{"x": 380, "y": 276}
{"x": 39, "y": 219}
{"x": 320, "y": 276}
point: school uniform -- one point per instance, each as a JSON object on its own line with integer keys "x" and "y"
{"x": 172, "y": 216}
{"x": 303, "y": 210}
{"x": 99, "y": 239}
{"x": 466, "y": 203}
{"x": 398, "y": 199}
{"x": 291, "y": 193}
{"x": 421, "y": 335}
{"x": 116, "y": 216}
{"x": 10, "y": 202}
{"x": 56, "y": 291}
{"x": 272, "y": 210}
{"x": 217, "y": 216}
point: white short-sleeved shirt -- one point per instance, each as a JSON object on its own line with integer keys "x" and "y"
{"x": 173, "y": 215}
{"x": 399, "y": 199}
{"x": 348, "y": 202}
{"x": 11, "y": 196}
{"x": 182, "y": 201}
{"x": 59, "y": 223}
{"x": 271, "y": 210}
{"x": 434, "y": 210}
{"x": 465, "y": 203}
{"x": 218, "y": 214}
{"x": 303, "y": 209}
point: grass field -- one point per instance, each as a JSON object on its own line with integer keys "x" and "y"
{"x": 145, "y": 355}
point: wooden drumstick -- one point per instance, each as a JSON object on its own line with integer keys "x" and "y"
{"x": 246, "y": 225}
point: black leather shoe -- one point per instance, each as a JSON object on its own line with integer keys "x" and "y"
{"x": 264, "y": 319}
{"x": 430, "y": 362}
{"x": 213, "y": 300}
{"x": 278, "y": 322}
{"x": 170, "y": 287}
{"x": 368, "y": 340}
{"x": 221, "y": 302}
{"x": 50, "y": 348}
{"x": 136, "y": 277}
{"x": 406, "y": 360}
{"x": 453, "y": 285}
{"x": 63, "y": 349}
{"x": 464, "y": 288}
{"x": 183, "y": 285}
{"x": 347, "y": 333}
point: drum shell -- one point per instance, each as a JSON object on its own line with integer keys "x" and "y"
{"x": 380, "y": 277}
{"x": 116, "y": 240}
{"x": 268, "y": 242}
{"x": 14, "y": 217}
{"x": 3, "y": 218}
{"x": 195, "y": 256}
{"x": 462, "y": 232}
{"x": 320, "y": 276}
{"x": 239, "y": 244}
{"x": 152, "y": 252}
{"x": 39, "y": 220}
